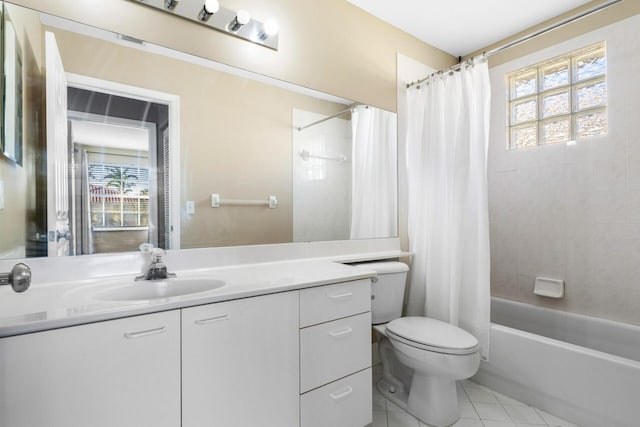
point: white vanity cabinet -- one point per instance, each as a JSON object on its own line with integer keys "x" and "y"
{"x": 240, "y": 364}
{"x": 123, "y": 373}
{"x": 297, "y": 358}
{"x": 335, "y": 355}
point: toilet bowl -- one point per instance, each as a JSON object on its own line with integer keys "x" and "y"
{"x": 439, "y": 354}
{"x": 422, "y": 358}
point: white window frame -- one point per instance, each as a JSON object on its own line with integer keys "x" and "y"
{"x": 574, "y": 112}
{"x": 121, "y": 197}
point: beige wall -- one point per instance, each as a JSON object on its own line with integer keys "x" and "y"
{"x": 235, "y": 138}
{"x": 572, "y": 212}
{"x": 327, "y": 45}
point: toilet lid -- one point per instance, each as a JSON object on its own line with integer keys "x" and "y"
{"x": 432, "y": 333}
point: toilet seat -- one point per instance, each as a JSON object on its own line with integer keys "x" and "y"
{"x": 432, "y": 335}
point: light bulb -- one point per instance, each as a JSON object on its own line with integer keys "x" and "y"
{"x": 211, "y": 6}
{"x": 270, "y": 28}
{"x": 243, "y": 17}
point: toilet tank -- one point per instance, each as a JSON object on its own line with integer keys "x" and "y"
{"x": 387, "y": 290}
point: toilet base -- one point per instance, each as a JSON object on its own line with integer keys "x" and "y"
{"x": 432, "y": 400}
{"x": 391, "y": 392}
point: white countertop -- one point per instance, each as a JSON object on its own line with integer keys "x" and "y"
{"x": 63, "y": 304}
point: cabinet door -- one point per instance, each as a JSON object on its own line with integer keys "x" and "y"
{"x": 240, "y": 363}
{"x": 121, "y": 373}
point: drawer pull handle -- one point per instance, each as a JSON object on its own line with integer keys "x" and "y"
{"x": 341, "y": 333}
{"x": 213, "y": 319}
{"x": 341, "y": 394}
{"x": 142, "y": 334}
{"x": 341, "y": 296}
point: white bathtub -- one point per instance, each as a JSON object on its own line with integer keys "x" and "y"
{"x": 583, "y": 369}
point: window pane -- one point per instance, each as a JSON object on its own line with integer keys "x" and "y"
{"x": 108, "y": 184}
{"x": 131, "y": 220}
{"x": 591, "y": 95}
{"x": 555, "y": 104}
{"x": 591, "y": 124}
{"x": 524, "y": 84}
{"x": 591, "y": 64}
{"x": 112, "y": 204}
{"x": 556, "y": 130}
{"x": 97, "y": 219}
{"x": 130, "y": 204}
{"x": 558, "y": 100}
{"x": 555, "y": 75}
{"x": 130, "y": 178}
{"x": 96, "y": 202}
{"x": 96, "y": 189}
{"x": 524, "y": 111}
{"x": 524, "y": 136}
{"x": 113, "y": 219}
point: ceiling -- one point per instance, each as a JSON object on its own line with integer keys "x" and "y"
{"x": 461, "y": 27}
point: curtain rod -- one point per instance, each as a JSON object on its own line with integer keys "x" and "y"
{"x": 348, "y": 110}
{"x": 521, "y": 40}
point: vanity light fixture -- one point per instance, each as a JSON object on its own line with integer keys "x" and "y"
{"x": 171, "y": 4}
{"x": 209, "y": 9}
{"x": 212, "y": 14}
{"x": 242, "y": 18}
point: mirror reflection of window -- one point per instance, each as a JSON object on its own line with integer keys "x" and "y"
{"x": 119, "y": 196}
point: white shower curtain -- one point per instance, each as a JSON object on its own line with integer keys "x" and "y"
{"x": 448, "y": 214}
{"x": 374, "y": 201}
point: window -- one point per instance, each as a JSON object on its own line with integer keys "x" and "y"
{"x": 119, "y": 196}
{"x": 559, "y": 100}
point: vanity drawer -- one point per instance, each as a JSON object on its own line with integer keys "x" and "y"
{"x": 325, "y": 303}
{"x": 343, "y": 403}
{"x": 334, "y": 350}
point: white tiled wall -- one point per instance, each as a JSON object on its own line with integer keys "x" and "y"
{"x": 321, "y": 207}
{"x": 572, "y": 212}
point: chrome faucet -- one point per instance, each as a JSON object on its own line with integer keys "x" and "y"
{"x": 19, "y": 278}
{"x": 156, "y": 269}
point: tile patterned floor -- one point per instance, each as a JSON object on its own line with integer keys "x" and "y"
{"x": 481, "y": 407}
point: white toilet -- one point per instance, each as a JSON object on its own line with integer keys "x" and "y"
{"x": 422, "y": 358}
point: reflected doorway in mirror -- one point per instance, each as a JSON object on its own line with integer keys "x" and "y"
{"x": 123, "y": 186}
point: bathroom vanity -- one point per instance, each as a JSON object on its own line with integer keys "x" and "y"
{"x": 279, "y": 344}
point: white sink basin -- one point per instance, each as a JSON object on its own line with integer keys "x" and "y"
{"x": 157, "y": 289}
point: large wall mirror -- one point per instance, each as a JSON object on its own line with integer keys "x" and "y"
{"x": 122, "y": 142}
